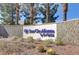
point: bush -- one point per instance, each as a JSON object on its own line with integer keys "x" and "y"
{"x": 50, "y": 51}
{"x": 3, "y": 44}
{"x": 30, "y": 39}
{"x": 14, "y": 38}
{"x": 38, "y": 41}
{"x": 48, "y": 42}
{"x": 58, "y": 42}
{"x": 40, "y": 48}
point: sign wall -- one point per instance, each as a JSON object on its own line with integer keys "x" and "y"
{"x": 47, "y": 31}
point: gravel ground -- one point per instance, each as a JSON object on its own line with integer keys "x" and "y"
{"x": 22, "y": 47}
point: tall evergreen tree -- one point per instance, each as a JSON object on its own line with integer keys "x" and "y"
{"x": 25, "y": 12}
{"x": 7, "y": 13}
{"x": 49, "y": 10}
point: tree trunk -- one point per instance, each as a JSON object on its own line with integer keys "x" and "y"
{"x": 17, "y": 13}
{"x": 64, "y": 8}
{"x": 47, "y": 13}
{"x": 12, "y": 13}
{"x": 31, "y": 13}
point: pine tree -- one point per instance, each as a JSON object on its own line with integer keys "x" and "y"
{"x": 7, "y": 13}
{"x": 48, "y": 10}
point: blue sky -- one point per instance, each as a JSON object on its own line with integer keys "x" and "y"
{"x": 73, "y": 12}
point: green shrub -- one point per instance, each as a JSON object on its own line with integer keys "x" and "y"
{"x": 50, "y": 51}
{"x": 48, "y": 42}
{"x": 30, "y": 39}
{"x": 58, "y": 42}
{"x": 2, "y": 44}
{"x": 14, "y": 38}
{"x": 40, "y": 48}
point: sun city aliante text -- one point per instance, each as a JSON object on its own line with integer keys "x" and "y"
{"x": 42, "y": 32}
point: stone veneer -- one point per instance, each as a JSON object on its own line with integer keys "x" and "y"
{"x": 11, "y": 30}
{"x": 68, "y": 31}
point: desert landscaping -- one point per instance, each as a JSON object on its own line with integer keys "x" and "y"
{"x": 29, "y": 46}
